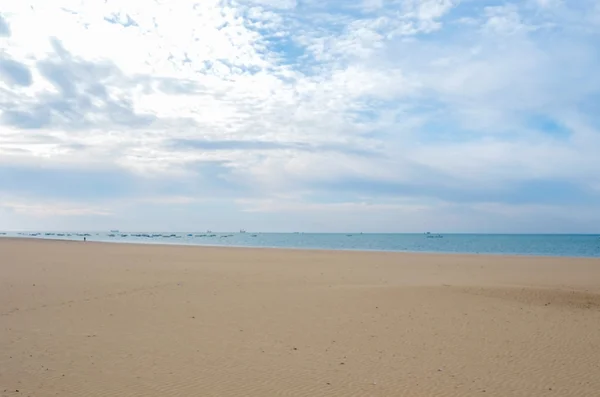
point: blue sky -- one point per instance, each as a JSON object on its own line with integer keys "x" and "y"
{"x": 285, "y": 115}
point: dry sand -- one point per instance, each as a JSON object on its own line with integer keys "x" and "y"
{"x": 91, "y": 319}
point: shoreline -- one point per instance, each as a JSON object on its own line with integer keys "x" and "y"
{"x": 309, "y": 249}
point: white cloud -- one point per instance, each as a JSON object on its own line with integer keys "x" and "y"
{"x": 290, "y": 96}
{"x": 48, "y": 209}
{"x": 504, "y": 19}
{"x": 280, "y": 205}
{"x": 547, "y": 3}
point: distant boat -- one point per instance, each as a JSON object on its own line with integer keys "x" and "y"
{"x": 114, "y": 231}
{"x": 242, "y": 231}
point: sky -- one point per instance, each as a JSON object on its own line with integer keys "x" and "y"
{"x": 300, "y": 115}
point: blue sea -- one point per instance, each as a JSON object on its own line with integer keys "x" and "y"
{"x": 572, "y": 245}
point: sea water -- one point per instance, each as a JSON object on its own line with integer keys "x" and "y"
{"x": 572, "y": 245}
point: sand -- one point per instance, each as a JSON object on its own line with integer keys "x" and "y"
{"x": 92, "y": 319}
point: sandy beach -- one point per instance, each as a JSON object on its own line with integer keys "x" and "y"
{"x": 93, "y": 319}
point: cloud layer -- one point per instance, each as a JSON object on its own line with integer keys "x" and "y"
{"x": 374, "y": 115}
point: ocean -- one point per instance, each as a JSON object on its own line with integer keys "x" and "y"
{"x": 571, "y": 245}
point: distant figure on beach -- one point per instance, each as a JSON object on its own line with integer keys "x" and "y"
{"x": 84, "y": 239}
